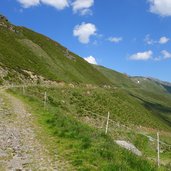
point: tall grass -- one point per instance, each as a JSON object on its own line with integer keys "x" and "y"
{"x": 85, "y": 147}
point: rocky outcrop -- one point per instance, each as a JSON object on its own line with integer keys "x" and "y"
{"x": 6, "y": 24}
{"x": 129, "y": 147}
{"x": 68, "y": 55}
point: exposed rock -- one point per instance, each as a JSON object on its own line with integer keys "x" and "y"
{"x": 71, "y": 85}
{"x": 3, "y": 72}
{"x": 107, "y": 86}
{"x": 129, "y": 147}
{"x": 68, "y": 55}
{"x": 10, "y": 77}
{"x": 3, "y": 24}
{"x": 90, "y": 86}
{"x": 3, "y": 18}
{"x": 2, "y": 153}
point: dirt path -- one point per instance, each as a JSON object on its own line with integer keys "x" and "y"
{"x": 19, "y": 148}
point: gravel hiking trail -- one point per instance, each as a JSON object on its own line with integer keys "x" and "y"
{"x": 20, "y": 150}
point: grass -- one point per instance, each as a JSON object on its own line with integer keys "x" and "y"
{"x": 28, "y": 50}
{"x": 145, "y": 106}
{"x": 118, "y": 79}
{"x": 82, "y": 144}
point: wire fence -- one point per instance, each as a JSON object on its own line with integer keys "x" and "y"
{"x": 100, "y": 121}
{"x": 113, "y": 125}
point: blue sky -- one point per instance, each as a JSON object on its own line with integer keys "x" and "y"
{"x": 130, "y": 36}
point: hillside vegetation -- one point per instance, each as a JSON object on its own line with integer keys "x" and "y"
{"x": 23, "y": 49}
{"x": 76, "y": 118}
{"x": 117, "y": 79}
{"x": 74, "y": 114}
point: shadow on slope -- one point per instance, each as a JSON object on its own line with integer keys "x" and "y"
{"x": 168, "y": 88}
{"x": 159, "y": 110}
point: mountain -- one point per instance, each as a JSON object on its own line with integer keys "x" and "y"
{"x": 72, "y": 120}
{"x": 27, "y": 56}
{"x": 152, "y": 84}
{"x": 23, "y": 51}
{"x": 117, "y": 79}
{"x": 152, "y": 93}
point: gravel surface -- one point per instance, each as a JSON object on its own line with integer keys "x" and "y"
{"x": 19, "y": 148}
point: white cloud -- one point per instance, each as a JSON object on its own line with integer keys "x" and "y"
{"x": 142, "y": 56}
{"x": 78, "y": 6}
{"x": 160, "y": 7}
{"x": 91, "y": 60}
{"x": 83, "y": 6}
{"x": 163, "y": 40}
{"x": 58, "y": 4}
{"x": 28, "y": 3}
{"x": 157, "y": 59}
{"x": 86, "y": 12}
{"x": 166, "y": 54}
{"x": 84, "y": 32}
{"x": 149, "y": 40}
{"x": 115, "y": 39}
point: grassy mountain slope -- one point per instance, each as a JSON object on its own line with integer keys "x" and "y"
{"x": 150, "y": 84}
{"x": 118, "y": 79}
{"x": 76, "y": 118}
{"x": 137, "y": 106}
{"x": 23, "y": 49}
{"x": 153, "y": 94}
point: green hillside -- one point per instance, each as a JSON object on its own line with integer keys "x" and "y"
{"x": 76, "y": 119}
{"x": 73, "y": 117}
{"x": 149, "y": 84}
{"x": 22, "y": 49}
{"x": 153, "y": 94}
{"x": 118, "y": 79}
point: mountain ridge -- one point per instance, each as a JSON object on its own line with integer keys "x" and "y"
{"x": 55, "y": 61}
{"x": 23, "y": 49}
{"x": 73, "y": 113}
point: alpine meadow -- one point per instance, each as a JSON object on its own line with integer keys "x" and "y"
{"x": 60, "y": 111}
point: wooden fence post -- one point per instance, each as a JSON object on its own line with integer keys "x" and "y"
{"x": 158, "y": 149}
{"x": 107, "y": 123}
{"x": 45, "y": 99}
{"x": 23, "y": 90}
